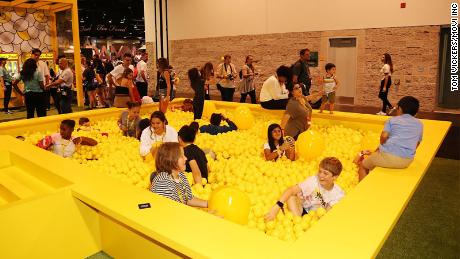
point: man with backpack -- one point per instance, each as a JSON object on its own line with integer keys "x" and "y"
{"x": 301, "y": 72}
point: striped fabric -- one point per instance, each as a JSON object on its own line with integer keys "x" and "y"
{"x": 164, "y": 185}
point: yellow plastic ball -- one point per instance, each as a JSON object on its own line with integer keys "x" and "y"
{"x": 370, "y": 142}
{"x": 310, "y": 145}
{"x": 208, "y": 109}
{"x": 243, "y": 117}
{"x": 231, "y": 203}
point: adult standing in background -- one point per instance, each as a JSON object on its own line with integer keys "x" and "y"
{"x": 45, "y": 72}
{"x": 164, "y": 83}
{"x": 64, "y": 84}
{"x": 301, "y": 72}
{"x": 6, "y": 84}
{"x": 207, "y": 74}
{"x": 114, "y": 75}
{"x": 247, "y": 85}
{"x": 274, "y": 95}
{"x": 34, "y": 97}
{"x": 226, "y": 72}
{"x": 197, "y": 84}
{"x": 141, "y": 79}
{"x": 385, "y": 84}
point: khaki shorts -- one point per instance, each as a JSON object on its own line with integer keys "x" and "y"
{"x": 387, "y": 160}
{"x": 330, "y": 97}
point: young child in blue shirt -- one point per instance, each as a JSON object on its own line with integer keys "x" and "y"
{"x": 399, "y": 139}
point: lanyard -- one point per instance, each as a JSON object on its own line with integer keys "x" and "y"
{"x": 179, "y": 190}
{"x": 155, "y": 136}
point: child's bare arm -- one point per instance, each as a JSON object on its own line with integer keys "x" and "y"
{"x": 384, "y": 137}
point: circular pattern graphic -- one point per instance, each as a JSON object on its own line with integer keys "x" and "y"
{"x": 21, "y": 25}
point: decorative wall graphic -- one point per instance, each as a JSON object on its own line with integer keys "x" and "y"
{"x": 21, "y": 30}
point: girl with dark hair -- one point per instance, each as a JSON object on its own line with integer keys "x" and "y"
{"x": 63, "y": 143}
{"x": 129, "y": 120}
{"x": 169, "y": 180}
{"x": 385, "y": 84}
{"x": 276, "y": 147}
{"x": 197, "y": 84}
{"x": 207, "y": 74}
{"x": 164, "y": 84}
{"x": 35, "y": 99}
{"x": 197, "y": 163}
{"x": 124, "y": 89}
{"x": 247, "y": 84}
{"x": 100, "y": 78}
{"x": 158, "y": 133}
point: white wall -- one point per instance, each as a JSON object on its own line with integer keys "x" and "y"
{"x": 189, "y": 19}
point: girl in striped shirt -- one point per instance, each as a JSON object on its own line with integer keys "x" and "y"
{"x": 169, "y": 180}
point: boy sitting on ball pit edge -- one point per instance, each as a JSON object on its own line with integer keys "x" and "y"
{"x": 400, "y": 138}
{"x": 318, "y": 191}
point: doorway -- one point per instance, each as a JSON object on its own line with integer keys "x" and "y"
{"x": 342, "y": 53}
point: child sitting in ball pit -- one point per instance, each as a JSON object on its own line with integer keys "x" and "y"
{"x": 169, "y": 180}
{"x": 63, "y": 143}
{"x": 276, "y": 147}
{"x": 157, "y": 133}
{"x": 187, "y": 106}
{"x": 129, "y": 120}
{"x": 399, "y": 140}
{"x": 214, "y": 128}
{"x": 196, "y": 163}
{"x": 318, "y": 191}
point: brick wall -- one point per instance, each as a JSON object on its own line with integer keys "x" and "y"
{"x": 414, "y": 51}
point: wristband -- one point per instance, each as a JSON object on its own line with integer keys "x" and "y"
{"x": 281, "y": 205}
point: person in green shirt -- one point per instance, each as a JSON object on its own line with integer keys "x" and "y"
{"x": 33, "y": 89}
{"x": 6, "y": 84}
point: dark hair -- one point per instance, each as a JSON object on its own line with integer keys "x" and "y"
{"x": 28, "y": 69}
{"x": 387, "y": 60}
{"x": 133, "y": 104}
{"x": 271, "y": 140}
{"x": 216, "y": 118}
{"x": 159, "y": 115}
{"x": 329, "y": 66}
{"x": 227, "y": 56}
{"x": 163, "y": 64}
{"x": 409, "y": 105}
{"x": 2, "y": 59}
{"x": 126, "y": 72}
{"x": 83, "y": 120}
{"x": 251, "y": 66}
{"x": 284, "y": 71}
{"x": 89, "y": 65}
{"x": 127, "y": 54}
{"x": 331, "y": 164}
{"x": 36, "y": 51}
{"x": 195, "y": 78}
{"x": 166, "y": 157}
{"x": 143, "y": 124}
{"x": 195, "y": 126}
{"x": 68, "y": 123}
{"x": 302, "y": 51}
{"x": 207, "y": 70}
{"x": 187, "y": 134}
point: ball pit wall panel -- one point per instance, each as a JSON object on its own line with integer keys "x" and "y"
{"x": 355, "y": 228}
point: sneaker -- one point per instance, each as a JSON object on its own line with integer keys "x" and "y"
{"x": 381, "y": 113}
{"x": 391, "y": 110}
{"x": 8, "y": 112}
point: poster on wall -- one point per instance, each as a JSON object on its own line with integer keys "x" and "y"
{"x": 313, "y": 61}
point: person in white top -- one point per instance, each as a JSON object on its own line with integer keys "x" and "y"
{"x": 158, "y": 132}
{"x": 141, "y": 79}
{"x": 117, "y": 72}
{"x": 276, "y": 147}
{"x": 318, "y": 191}
{"x": 227, "y": 74}
{"x": 385, "y": 84}
{"x": 64, "y": 83}
{"x": 63, "y": 143}
{"x": 42, "y": 67}
{"x": 274, "y": 95}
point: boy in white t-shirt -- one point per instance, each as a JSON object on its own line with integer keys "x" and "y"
{"x": 318, "y": 191}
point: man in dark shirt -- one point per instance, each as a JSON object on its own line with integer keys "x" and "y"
{"x": 214, "y": 128}
{"x": 301, "y": 72}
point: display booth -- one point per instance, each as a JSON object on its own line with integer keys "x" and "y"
{"x": 26, "y": 25}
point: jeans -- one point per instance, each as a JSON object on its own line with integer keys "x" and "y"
{"x": 227, "y": 94}
{"x": 251, "y": 94}
{"x": 142, "y": 88}
{"x": 35, "y": 102}
{"x": 65, "y": 102}
{"x": 55, "y": 95}
{"x": 383, "y": 95}
{"x": 275, "y": 104}
{"x": 7, "y": 96}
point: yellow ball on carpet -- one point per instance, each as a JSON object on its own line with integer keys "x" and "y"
{"x": 310, "y": 145}
{"x": 243, "y": 117}
{"x": 230, "y": 203}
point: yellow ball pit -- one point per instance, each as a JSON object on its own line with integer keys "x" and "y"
{"x": 310, "y": 145}
{"x": 230, "y": 203}
{"x": 243, "y": 117}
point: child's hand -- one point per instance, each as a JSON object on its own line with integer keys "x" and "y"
{"x": 271, "y": 215}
